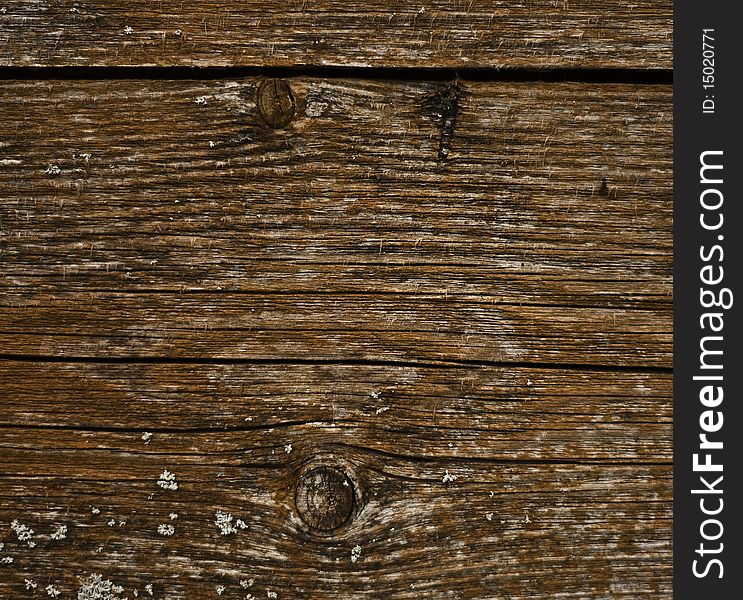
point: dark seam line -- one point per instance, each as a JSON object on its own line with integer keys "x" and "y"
{"x": 410, "y": 429}
{"x": 478, "y": 74}
{"x": 658, "y": 302}
{"x": 444, "y": 364}
{"x": 259, "y": 428}
{"x": 476, "y": 459}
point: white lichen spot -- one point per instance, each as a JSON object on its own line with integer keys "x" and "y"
{"x": 246, "y": 583}
{"x": 148, "y": 589}
{"x": 52, "y": 591}
{"x": 240, "y": 524}
{"x": 86, "y": 156}
{"x": 201, "y": 100}
{"x": 111, "y": 522}
{"x": 23, "y": 532}
{"x": 122, "y": 523}
{"x": 271, "y": 594}
{"x": 211, "y": 144}
{"x": 288, "y": 448}
{"x": 173, "y": 516}
{"x": 382, "y": 409}
{"x": 146, "y": 437}
{"x": 167, "y": 481}
{"x": 178, "y": 32}
{"x": 6, "y": 560}
{"x": 52, "y": 170}
{"x": 165, "y": 529}
{"x": 136, "y": 593}
{"x": 489, "y": 516}
{"x": 448, "y": 478}
{"x": 31, "y": 584}
{"x": 223, "y": 521}
{"x": 355, "y": 553}
{"x": 128, "y": 30}
{"x": 376, "y": 395}
{"x": 95, "y": 511}
{"x": 2, "y": 545}
{"x": 220, "y": 590}
{"x": 59, "y": 533}
{"x": 526, "y": 518}
{"x": 315, "y": 108}
{"x": 94, "y": 587}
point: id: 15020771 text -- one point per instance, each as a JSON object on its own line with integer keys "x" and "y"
{"x": 708, "y": 71}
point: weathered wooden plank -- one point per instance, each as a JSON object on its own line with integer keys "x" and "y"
{"x": 566, "y": 471}
{"x": 417, "y": 223}
{"x": 525, "y": 530}
{"x": 439, "y": 33}
{"x": 402, "y": 328}
{"x": 387, "y": 221}
{"x": 485, "y": 412}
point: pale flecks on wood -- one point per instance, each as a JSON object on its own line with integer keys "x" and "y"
{"x": 197, "y": 309}
{"x": 577, "y": 34}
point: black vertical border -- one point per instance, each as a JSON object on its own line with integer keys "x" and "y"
{"x": 695, "y": 132}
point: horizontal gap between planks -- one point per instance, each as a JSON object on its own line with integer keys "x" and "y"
{"x": 650, "y": 76}
{"x": 338, "y": 423}
{"x": 663, "y": 304}
{"x": 444, "y": 364}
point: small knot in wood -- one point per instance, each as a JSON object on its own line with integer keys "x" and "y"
{"x": 275, "y": 103}
{"x": 325, "y": 498}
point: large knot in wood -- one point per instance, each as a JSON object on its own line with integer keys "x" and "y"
{"x": 275, "y": 103}
{"x": 325, "y": 498}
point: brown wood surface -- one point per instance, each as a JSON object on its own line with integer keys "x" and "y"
{"x": 562, "y": 479}
{"x": 358, "y": 33}
{"x": 457, "y": 294}
{"x": 191, "y": 229}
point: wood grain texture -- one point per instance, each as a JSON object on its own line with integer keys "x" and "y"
{"x": 501, "y": 413}
{"x": 380, "y": 33}
{"x": 544, "y": 482}
{"x": 457, "y": 294}
{"x": 189, "y": 228}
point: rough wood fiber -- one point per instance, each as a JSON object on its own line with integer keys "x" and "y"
{"x": 504, "y": 413}
{"x": 544, "y": 482}
{"x": 439, "y": 33}
{"x": 459, "y": 295}
{"x": 189, "y": 228}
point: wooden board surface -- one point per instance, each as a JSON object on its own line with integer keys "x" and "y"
{"x": 189, "y": 228}
{"x": 565, "y": 471}
{"x": 499, "y": 413}
{"x": 458, "y": 294}
{"x": 582, "y": 34}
